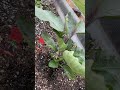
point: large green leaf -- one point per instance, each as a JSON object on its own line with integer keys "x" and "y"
{"x": 53, "y": 64}
{"x": 49, "y": 41}
{"x": 46, "y": 15}
{"x": 73, "y": 63}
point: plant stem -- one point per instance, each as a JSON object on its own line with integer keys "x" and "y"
{"x": 72, "y": 34}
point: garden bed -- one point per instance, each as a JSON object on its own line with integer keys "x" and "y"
{"x": 47, "y": 78}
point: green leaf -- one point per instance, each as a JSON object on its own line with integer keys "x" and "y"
{"x": 28, "y": 29}
{"x": 53, "y": 64}
{"x": 70, "y": 74}
{"x": 61, "y": 44}
{"x": 60, "y": 34}
{"x": 69, "y": 44}
{"x": 49, "y": 41}
{"x": 45, "y": 15}
{"x": 80, "y": 54}
{"x": 73, "y": 63}
{"x": 80, "y": 4}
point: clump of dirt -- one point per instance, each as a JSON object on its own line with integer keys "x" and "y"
{"x": 48, "y": 78}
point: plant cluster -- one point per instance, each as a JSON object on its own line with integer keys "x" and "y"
{"x": 65, "y": 53}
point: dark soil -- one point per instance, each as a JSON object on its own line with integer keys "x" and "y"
{"x": 16, "y": 60}
{"x": 47, "y": 78}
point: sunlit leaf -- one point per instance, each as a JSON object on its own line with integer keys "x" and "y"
{"x": 61, "y": 44}
{"x": 45, "y": 15}
{"x": 73, "y": 63}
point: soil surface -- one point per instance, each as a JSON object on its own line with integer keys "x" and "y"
{"x": 16, "y": 59}
{"x": 47, "y": 78}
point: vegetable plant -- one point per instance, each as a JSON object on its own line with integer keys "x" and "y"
{"x": 64, "y": 52}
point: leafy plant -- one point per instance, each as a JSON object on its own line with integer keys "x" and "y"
{"x": 65, "y": 53}
{"x": 44, "y": 15}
